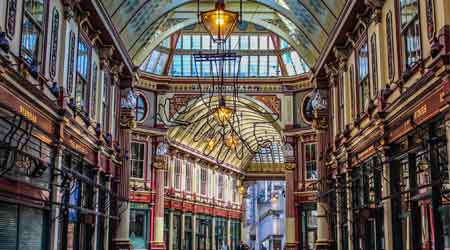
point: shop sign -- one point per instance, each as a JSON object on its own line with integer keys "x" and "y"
{"x": 135, "y": 205}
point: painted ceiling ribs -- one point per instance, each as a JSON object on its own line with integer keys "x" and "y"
{"x": 137, "y": 21}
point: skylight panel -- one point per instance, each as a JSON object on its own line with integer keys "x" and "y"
{"x": 263, "y": 42}
{"x": 273, "y": 66}
{"x": 176, "y": 65}
{"x": 299, "y": 64}
{"x": 186, "y": 42}
{"x": 234, "y": 42}
{"x": 243, "y": 42}
{"x": 289, "y": 64}
{"x": 186, "y": 62}
{"x": 253, "y": 66}
{"x": 263, "y": 65}
{"x": 161, "y": 63}
{"x": 206, "y": 42}
{"x": 244, "y": 66}
{"x": 196, "y": 41}
{"x": 253, "y": 42}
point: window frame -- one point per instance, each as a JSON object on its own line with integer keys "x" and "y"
{"x": 79, "y": 78}
{"x": 362, "y": 83}
{"x": 145, "y": 107}
{"x": 404, "y": 38}
{"x": 42, "y": 40}
{"x": 143, "y": 160}
{"x": 177, "y": 172}
{"x": 314, "y": 161}
{"x": 204, "y": 182}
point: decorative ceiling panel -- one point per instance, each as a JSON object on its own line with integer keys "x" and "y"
{"x": 307, "y": 22}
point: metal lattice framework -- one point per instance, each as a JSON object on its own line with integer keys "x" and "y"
{"x": 248, "y": 127}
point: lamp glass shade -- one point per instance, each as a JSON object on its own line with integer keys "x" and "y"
{"x": 219, "y": 22}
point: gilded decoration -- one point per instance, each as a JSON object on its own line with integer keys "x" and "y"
{"x": 274, "y": 168}
{"x": 271, "y": 101}
{"x": 178, "y": 101}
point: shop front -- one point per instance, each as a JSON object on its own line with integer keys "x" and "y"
{"x": 139, "y": 225}
{"x": 26, "y": 160}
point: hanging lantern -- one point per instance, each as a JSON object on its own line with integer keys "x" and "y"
{"x": 232, "y": 141}
{"x": 222, "y": 114}
{"x": 219, "y": 22}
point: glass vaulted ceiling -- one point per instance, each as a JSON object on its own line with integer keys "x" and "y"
{"x": 304, "y": 24}
{"x": 260, "y": 49}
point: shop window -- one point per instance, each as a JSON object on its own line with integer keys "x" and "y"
{"x": 308, "y": 227}
{"x": 410, "y": 31}
{"x": 33, "y": 31}
{"x": 83, "y": 62}
{"x": 363, "y": 76}
{"x": 188, "y": 183}
{"x": 177, "y": 174}
{"x": 188, "y": 241}
{"x": 220, "y": 188}
{"x": 311, "y": 161}
{"x": 204, "y": 181}
{"x": 137, "y": 160}
{"x": 139, "y": 228}
{"x": 166, "y": 229}
{"x": 176, "y": 232}
{"x": 141, "y": 108}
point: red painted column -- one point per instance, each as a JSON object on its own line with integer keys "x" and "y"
{"x": 158, "y": 236}
{"x": 290, "y": 225}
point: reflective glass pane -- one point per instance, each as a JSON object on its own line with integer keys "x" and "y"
{"x": 186, "y": 41}
{"x": 263, "y": 42}
{"x": 253, "y": 42}
{"x": 195, "y": 41}
{"x": 243, "y": 42}
{"x": 253, "y": 71}
{"x": 263, "y": 64}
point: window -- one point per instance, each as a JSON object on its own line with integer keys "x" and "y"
{"x": 410, "y": 31}
{"x": 203, "y": 181}
{"x": 363, "y": 73}
{"x": 177, "y": 174}
{"x": 235, "y": 191}
{"x": 83, "y": 62}
{"x": 137, "y": 160}
{"x": 206, "y": 42}
{"x": 176, "y": 65}
{"x": 263, "y": 65}
{"x": 141, "y": 108}
{"x": 352, "y": 90}
{"x": 188, "y": 177}
{"x": 186, "y": 42}
{"x": 341, "y": 102}
{"x": 105, "y": 101}
{"x": 311, "y": 161}
{"x": 195, "y": 41}
{"x": 374, "y": 64}
{"x": 263, "y": 42}
{"x": 220, "y": 189}
{"x": 390, "y": 45}
{"x": 93, "y": 91}
{"x": 32, "y": 31}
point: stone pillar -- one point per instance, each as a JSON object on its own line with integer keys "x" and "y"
{"x": 243, "y": 196}
{"x": 171, "y": 232}
{"x": 56, "y": 197}
{"x": 182, "y": 231}
{"x": 194, "y": 231}
{"x": 213, "y": 233}
{"x": 349, "y": 210}
{"x": 127, "y": 123}
{"x": 320, "y": 124}
{"x": 229, "y": 232}
{"x": 339, "y": 198}
{"x": 108, "y": 212}
{"x": 158, "y": 239}
{"x": 290, "y": 243}
{"x": 387, "y": 203}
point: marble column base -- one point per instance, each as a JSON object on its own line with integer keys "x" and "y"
{"x": 157, "y": 245}
{"x": 121, "y": 244}
{"x": 322, "y": 245}
{"x": 290, "y": 246}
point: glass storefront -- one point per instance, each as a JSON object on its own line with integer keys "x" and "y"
{"x": 139, "y": 226}
{"x": 308, "y": 226}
